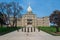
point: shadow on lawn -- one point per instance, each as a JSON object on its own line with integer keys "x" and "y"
{"x": 5, "y": 30}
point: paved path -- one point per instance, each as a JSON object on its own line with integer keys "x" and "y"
{"x": 29, "y": 36}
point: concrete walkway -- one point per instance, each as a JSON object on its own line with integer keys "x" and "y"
{"x": 29, "y": 36}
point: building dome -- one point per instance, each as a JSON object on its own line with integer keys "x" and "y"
{"x": 29, "y": 9}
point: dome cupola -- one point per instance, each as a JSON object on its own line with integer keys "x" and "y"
{"x": 29, "y": 9}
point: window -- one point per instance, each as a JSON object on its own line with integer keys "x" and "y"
{"x": 29, "y": 23}
{"x": 29, "y": 19}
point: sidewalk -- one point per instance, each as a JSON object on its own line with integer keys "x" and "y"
{"x": 29, "y": 36}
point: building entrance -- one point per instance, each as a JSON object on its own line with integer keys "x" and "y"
{"x": 29, "y": 21}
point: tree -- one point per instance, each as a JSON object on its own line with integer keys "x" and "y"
{"x": 2, "y": 5}
{"x": 3, "y": 19}
{"x": 11, "y": 9}
{"x": 5, "y": 9}
{"x": 55, "y": 19}
{"x": 8, "y": 12}
{"x": 16, "y": 8}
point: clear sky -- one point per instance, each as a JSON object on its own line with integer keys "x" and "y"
{"x": 39, "y": 7}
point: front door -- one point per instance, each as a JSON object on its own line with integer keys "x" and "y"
{"x": 29, "y": 21}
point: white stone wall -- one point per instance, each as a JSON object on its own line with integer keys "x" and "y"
{"x": 43, "y": 21}
{"x": 35, "y": 21}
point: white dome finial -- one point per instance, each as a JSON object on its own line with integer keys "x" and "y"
{"x": 29, "y": 8}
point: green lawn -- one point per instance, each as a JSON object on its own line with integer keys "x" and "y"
{"x": 5, "y": 30}
{"x": 50, "y": 30}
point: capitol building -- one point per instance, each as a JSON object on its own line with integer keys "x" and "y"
{"x": 31, "y": 19}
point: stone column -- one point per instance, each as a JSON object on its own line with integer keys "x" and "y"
{"x": 31, "y": 29}
{"x": 34, "y": 29}
{"x": 22, "y": 29}
{"x": 27, "y": 29}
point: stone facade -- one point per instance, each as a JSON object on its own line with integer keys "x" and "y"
{"x": 30, "y": 19}
{"x": 44, "y": 21}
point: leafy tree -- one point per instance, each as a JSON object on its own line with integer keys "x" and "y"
{"x": 55, "y": 19}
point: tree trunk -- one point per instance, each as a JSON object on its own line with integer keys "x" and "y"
{"x": 13, "y": 21}
{"x": 57, "y": 29}
{"x": 1, "y": 25}
{"x": 16, "y": 22}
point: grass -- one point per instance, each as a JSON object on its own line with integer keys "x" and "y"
{"x": 50, "y": 30}
{"x": 5, "y": 30}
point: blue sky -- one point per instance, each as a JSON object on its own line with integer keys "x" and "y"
{"x": 39, "y": 7}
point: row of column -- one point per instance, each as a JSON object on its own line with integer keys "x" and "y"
{"x": 29, "y": 29}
